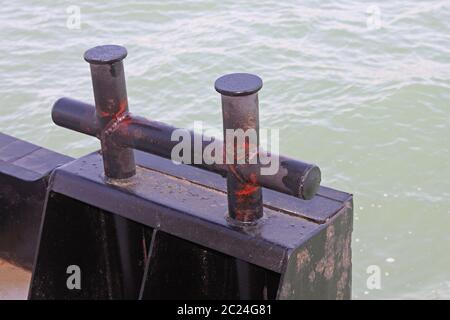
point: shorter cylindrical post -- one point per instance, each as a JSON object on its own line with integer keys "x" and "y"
{"x": 111, "y": 104}
{"x": 241, "y": 141}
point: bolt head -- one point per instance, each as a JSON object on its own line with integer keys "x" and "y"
{"x": 238, "y": 84}
{"x": 107, "y": 54}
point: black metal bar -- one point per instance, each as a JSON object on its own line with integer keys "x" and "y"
{"x": 294, "y": 177}
{"x": 240, "y": 110}
{"x": 111, "y": 103}
{"x": 119, "y": 131}
{"x": 77, "y": 116}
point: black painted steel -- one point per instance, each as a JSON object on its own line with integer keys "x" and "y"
{"x": 238, "y": 84}
{"x": 240, "y": 110}
{"x": 294, "y": 177}
{"x": 24, "y": 172}
{"x": 193, "y": 251}
{"x": 119, "y": 131}
{"x": 76, "y": 234}
{"x": 111, "y": 103}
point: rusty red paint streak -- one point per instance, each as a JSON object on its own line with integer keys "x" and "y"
{"x": 123, "y": 106}
{"x": 247, "y": 190}
{"x": 122, "y": 117}
{"x": 103, "y": 114}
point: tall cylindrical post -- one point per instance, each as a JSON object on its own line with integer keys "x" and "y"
{"x": 241, "y": 140}
{"x": 111, "y": 104}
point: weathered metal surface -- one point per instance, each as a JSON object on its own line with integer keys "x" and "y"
{"x": 322, "y": 267}
{"x": 319, "y": 209}
{"x": 84, "y": 236}
{"x": 119, "y": 131}
{"x": 111, "y": 103}
{"x": 188, "y": 207}
{"x": 294, "y": 177}
{"x": 24, "y": 171}
{"x": 201, "y": 273}
{"x": 175, "y": 205}
{"x": 240, "y": 110}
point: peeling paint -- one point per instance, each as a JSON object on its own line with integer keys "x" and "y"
{"x": 303, "y": 258}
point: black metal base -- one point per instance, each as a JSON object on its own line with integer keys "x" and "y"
{"x": 24, "y": 172}
{"x": 165, "y": 235}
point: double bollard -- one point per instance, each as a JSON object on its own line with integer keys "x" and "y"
{"x": 119, "y": 132}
